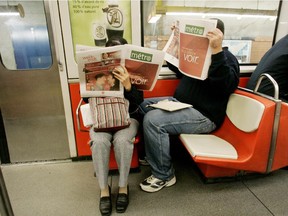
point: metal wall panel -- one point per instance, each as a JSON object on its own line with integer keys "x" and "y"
{"x": 30, "y": 99}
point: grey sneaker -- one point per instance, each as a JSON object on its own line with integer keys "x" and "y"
{"x": 153, "y": 184}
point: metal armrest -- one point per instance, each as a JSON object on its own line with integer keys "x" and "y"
{"x": 276, "y": 118}
{"x": 274, "y": 83}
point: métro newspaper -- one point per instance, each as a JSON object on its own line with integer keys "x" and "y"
{"x": 188, "y": 47}
{"x": 95, "y": 66}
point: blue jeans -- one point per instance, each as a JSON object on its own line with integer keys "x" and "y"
{"x": 159, "y": 124}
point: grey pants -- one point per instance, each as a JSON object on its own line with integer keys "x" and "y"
{"x": 123, "y": 143}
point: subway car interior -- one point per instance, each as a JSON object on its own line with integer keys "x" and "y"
{"x": 46, "y": 164}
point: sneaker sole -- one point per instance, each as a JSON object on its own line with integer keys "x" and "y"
{"x": 151, "y": 190}
{"x": 171, "y": 182}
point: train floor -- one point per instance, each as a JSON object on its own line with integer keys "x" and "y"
{"x": 62, "y": 188}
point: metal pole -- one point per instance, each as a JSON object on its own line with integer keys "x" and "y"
{"x": 5, "y": 205}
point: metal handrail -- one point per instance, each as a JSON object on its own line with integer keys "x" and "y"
{"x": 6, "y": 208}
{"x": 276, "y": 119}
{"x": 275, "y": 84}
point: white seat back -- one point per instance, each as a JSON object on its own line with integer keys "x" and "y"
{"x": 244, "y": 112}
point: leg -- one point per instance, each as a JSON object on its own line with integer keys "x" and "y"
{"x": 123, "y": 147}
{"x": 100, "y": 148}
{"x": 143, "y": 109}
{"x": 123, "y": 142}
{"x": 158, "y": 125}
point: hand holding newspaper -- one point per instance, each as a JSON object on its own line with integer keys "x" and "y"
{"x": 96, "y": 66}
{"x": 188, "y": 47}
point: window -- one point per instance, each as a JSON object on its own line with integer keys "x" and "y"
{"x": 249, "y": 26}
{"x": 24, "y": 36}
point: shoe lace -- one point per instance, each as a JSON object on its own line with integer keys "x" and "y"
{"x": 150, "y": 178}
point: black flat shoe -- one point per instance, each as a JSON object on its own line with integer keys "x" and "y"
{"x": 122, "y": 201}
{"x": 105, "y": 205}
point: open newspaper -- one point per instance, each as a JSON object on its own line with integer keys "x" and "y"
{"x": 95, "y": 66}
{"x": 188, "y": 47}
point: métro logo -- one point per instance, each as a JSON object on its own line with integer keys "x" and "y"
{"x": 147, "y": 57}
{"x": 198, "y": 30}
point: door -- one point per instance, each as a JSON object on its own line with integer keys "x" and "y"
{"x": 31, "y": 101}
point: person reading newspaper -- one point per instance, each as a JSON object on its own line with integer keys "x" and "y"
{"x": 122, "y": 141}
{"x": 209, "y": 98}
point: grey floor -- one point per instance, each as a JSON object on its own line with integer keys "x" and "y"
{"x": 69, "y": 188}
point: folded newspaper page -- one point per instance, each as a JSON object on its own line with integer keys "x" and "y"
{"x": 96, "y": 67}
{"x": 194, "y": 53}
{"x": 170, "y": 105}
{"x": 171, "y": 48}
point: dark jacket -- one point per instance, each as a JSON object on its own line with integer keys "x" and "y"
{"x": 135, "y": 98}
{"x": 274, "y": 63}
{"x": 210, "y": 96}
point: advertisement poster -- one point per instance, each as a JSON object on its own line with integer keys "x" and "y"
{"x": 93, "y": 22}
{"x": 240, "y": 48}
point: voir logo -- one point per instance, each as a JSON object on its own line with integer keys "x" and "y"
{"x": 141, "y": 56}
{"x": 197, "y": 30}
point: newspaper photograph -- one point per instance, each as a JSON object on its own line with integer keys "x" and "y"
{"x": 171, "y": 48}
{"x": 194, "y": 52}
{"x": 96, "y": 67}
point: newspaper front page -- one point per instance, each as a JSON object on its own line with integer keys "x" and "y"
{"x": 143, "y": 65}
{"x": 188, "y": 47}
{"x": 95, "y": 67}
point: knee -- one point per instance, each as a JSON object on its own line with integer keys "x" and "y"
{"x": 123, "y": 145}
{"x": 100, "y": 143}
{"x": 150, "y": 119}
{"x": 120, "y": 141}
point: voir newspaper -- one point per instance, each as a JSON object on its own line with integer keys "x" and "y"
{"x": 188, "y": 47}
{"x": 95, "y": 66}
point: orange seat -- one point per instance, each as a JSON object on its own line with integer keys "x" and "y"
{"x": 246, "y": 138}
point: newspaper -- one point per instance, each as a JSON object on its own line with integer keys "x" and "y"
{"x": 95, "y": 68}
{"x": 188, "y": 47}
{"x": 170, "y": 105}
